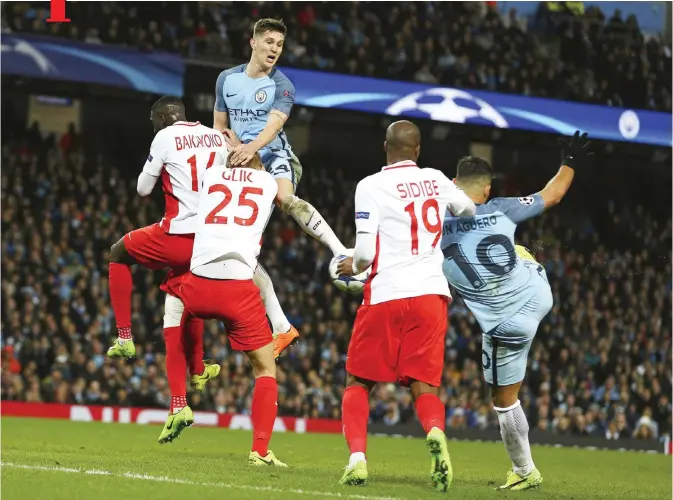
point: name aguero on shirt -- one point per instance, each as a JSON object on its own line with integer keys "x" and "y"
{"x": 198, "y": 141}
{"x": 464, "y": 226}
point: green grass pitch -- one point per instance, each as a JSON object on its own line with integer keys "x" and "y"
{"x": 53, "y": 460}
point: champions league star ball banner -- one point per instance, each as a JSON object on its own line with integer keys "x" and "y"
{"x": 62, "y": 59}
{"x": 445, "y": 104}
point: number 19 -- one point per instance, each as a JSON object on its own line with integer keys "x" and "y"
{"x": 435, "y": 228}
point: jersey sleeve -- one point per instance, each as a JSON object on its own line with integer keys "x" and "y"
{"x": 459, "y": 204}
{"x": 284, "y": 97}
{"x": 157, "y": 157}
{"x": 519, "y": 209}
{"x": 220, "y": 105}
{"x": 366, "y": 209}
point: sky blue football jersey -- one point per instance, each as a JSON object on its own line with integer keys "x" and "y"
{"x": 480, "y": 262}
{"x": 248, "y": 102}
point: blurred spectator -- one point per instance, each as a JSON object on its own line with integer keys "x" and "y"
{"x": 565, "y": 53}
{"x": 600, "y": 364}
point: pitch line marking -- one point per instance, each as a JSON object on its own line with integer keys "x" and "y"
{"x": 165, "y": 479}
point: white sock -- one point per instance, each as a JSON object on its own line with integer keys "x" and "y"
{"x": 355, "y": 458}
{"x": 279, "y": 321}
{"x": 514, "y": 432}
{"x": 313, "y": 224}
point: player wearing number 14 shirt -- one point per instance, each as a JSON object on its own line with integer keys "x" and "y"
{"x": 180, "y": 154}
{"x": 505, "y": 289}
{"x": 400, "y": 328}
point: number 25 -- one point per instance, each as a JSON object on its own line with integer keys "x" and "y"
{"x": 435, "y": 228}
{"x": 243, "y": 201}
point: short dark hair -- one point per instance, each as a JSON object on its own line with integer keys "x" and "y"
{"x": 471, "y": 168}
{"x": 169, "y": 105}
{"x": 269, "y": 24}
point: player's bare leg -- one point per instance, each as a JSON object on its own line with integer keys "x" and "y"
{"x": 354, "y": 418}
{"x": 284, "y": 334}
{"x": 514, "y": 431}
{"x": 264, "y": 406}
{"x": 313, "y": 224}
{"x": 308, "y": 218}
{"x": 121, "y": 288}
{"x": 431, "y": 414}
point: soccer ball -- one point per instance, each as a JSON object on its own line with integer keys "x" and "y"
{"x": 351, "y": 284}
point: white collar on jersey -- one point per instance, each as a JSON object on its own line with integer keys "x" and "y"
{"x": 400, "y": 164}
{"x": 189, "y": 124}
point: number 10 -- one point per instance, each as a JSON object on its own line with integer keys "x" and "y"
{"x": 57, "y": 12}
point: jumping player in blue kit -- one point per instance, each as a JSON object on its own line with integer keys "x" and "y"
{"x": 505, "y": 289}
{"x": 255, "y": 100}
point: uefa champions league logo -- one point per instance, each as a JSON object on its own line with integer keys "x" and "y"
{"x": 448, "y": 105}
{"x": 26, "y": 49}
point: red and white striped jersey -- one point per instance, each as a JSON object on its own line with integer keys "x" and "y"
{"x": 180, "y": 155}
{"x": 404, "y": 206}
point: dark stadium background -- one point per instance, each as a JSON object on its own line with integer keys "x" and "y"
{"x": 600, "y": 366}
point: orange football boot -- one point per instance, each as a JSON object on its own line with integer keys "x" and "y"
{"x": 282, "y": 341}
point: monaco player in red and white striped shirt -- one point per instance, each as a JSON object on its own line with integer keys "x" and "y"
{"x": 400, "y": 328}
{"x": 180, "y": 154}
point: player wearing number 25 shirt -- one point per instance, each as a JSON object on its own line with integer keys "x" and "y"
{"x": 234, "y": 206}
{"x": 399, "y": 329}
{"x": 506, "y": 290}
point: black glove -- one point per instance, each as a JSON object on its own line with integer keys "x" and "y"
{"x": 576, "y": 152}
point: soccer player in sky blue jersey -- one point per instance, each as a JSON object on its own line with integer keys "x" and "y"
{"x": 255, "y": 100}
{"x": 506, "y": 290}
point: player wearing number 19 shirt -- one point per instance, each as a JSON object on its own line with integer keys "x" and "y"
{"x": 234, "y": 206}
{"x": 505, "y": 289}
{"x": 400, "y": 328}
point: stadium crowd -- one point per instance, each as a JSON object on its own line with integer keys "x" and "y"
{"x": 582, "y": 56}
{"x": 600, "y": 365}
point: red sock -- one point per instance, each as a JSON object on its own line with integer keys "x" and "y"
{"x": 430, "y": 411}
{"x": 354, "y": 417}
{"x": 264, "y": 410}
{"x": 176, "y": 366}
{"x": 121, "y": 287}
{"x": 194, "y": 345}
{"x": 178, "y": 403}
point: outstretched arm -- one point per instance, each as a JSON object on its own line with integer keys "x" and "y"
{"x": 557, "y": 187}
{"x": 576, "y": 151}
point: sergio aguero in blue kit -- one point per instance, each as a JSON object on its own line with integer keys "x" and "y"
{"x": 255, "y": 100}
{"x": 505, "y": 289}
